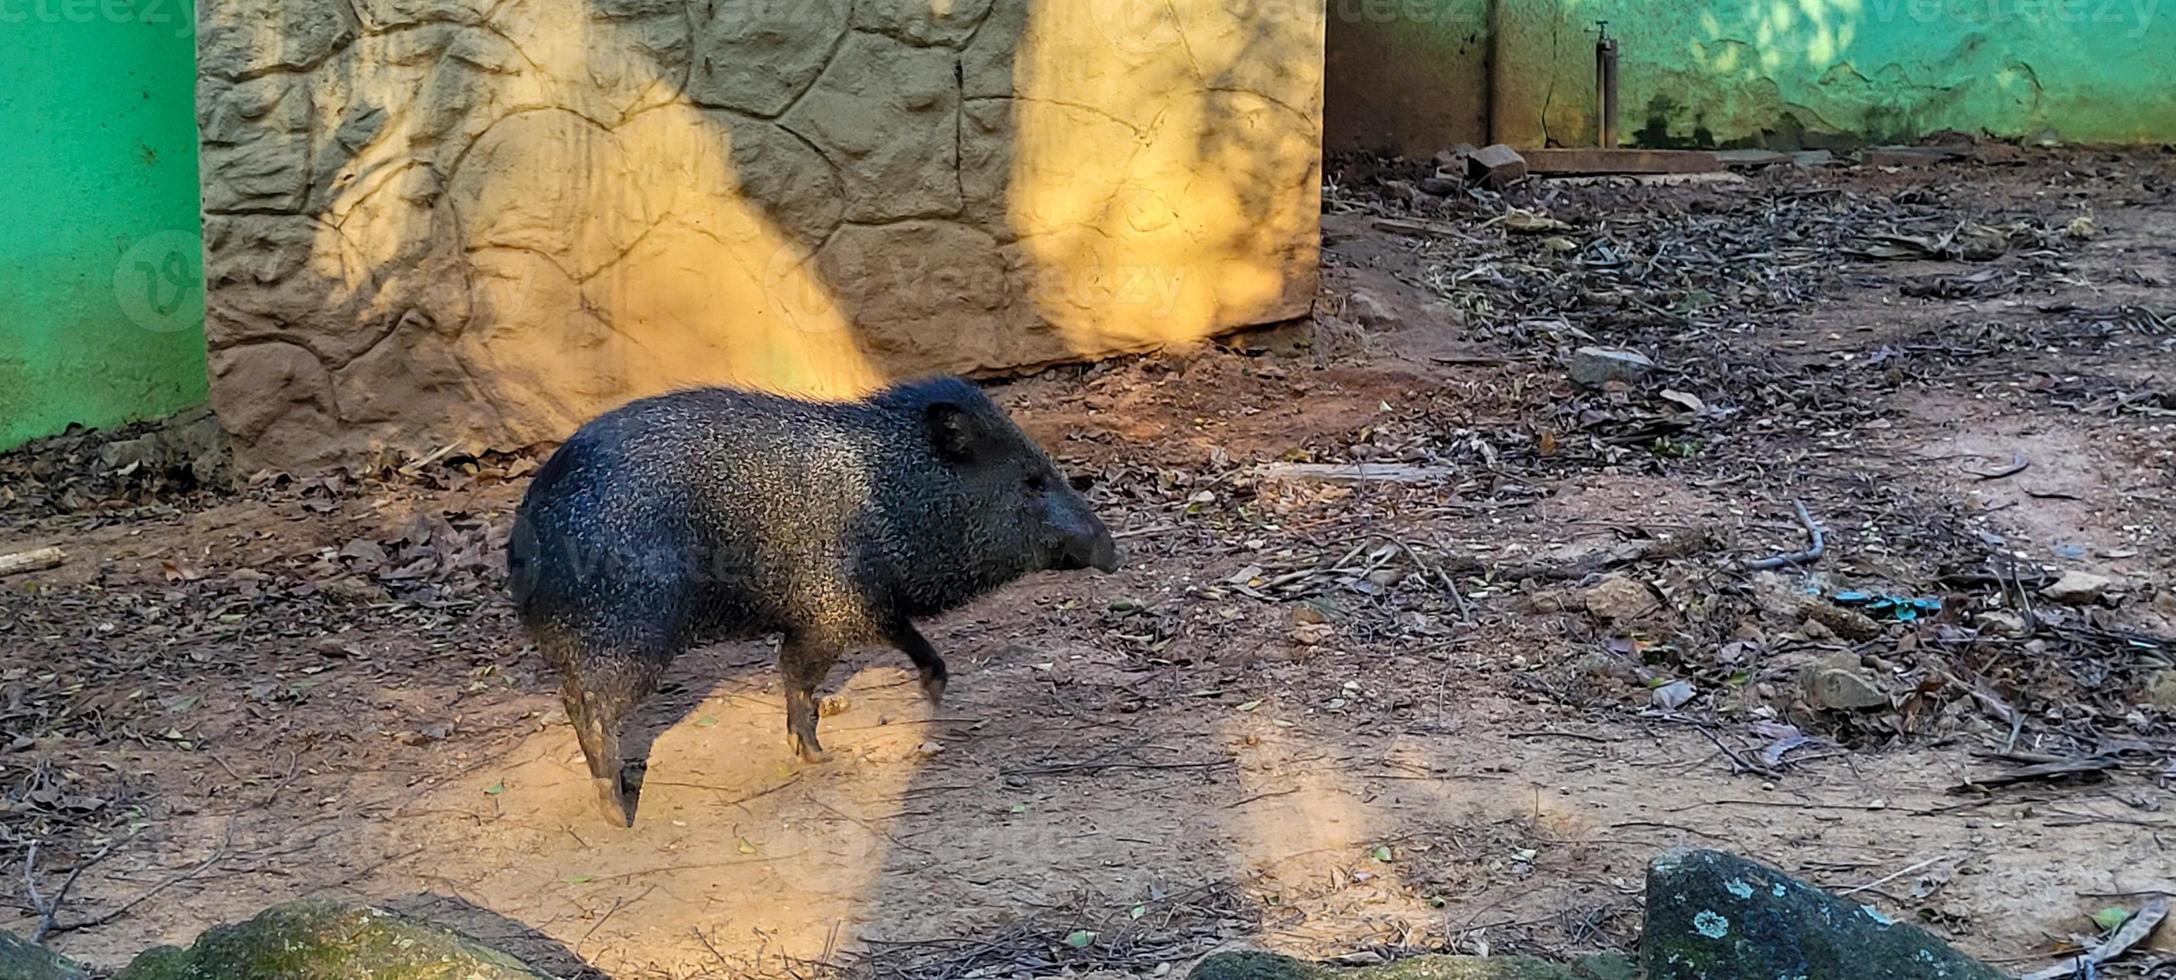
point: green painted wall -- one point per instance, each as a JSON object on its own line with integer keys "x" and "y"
{"x": 101, "y": 293}
{"x": 1753, "y": 71}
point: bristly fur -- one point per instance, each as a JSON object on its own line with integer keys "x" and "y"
{"x": 720, "y": 513}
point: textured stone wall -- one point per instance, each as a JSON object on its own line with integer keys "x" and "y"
{"x": 483, "y": 221}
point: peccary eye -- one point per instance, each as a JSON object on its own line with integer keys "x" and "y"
{"x": 1035, "y": 483}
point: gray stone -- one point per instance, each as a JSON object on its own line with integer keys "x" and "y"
{"x": 2000, "y": 622}
{"x": 316, "y": 940}
{"x": 2078, "y": 588}
{"x": 885, "y": 113}
{"x": 986, "y": 145}
{"x": 785, "y": 176}
{"x": 986, "y": 63}
{"x": 1594, "y": 367}
{"x": 1619, "y": 598}
{"x": 1712, "y": 915}
{"x": 892, "y": 276}
{"x": 757, "y": 56}
{"x": 240, "y": 38}
{"x": 2161, "y": 690}
{"x": 377, "y": 15}
{"x": 1270, "y": 966}
{"x": 1369, "y": 310}
{"x": 1496, "y": 166}
{"x": 1837, "y": 682}
{"x": 920, "y": 21}
{"x": 256, "y": 144}
{"x": 191, "y": 441}
{"x": 19, "y": 960}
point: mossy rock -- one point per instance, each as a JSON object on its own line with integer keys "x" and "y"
{"x": 1270, "y": 966}
{"x": 19, "y": 960}
{"x": 1714, "y": 916}
{"x": 328, "y": 941}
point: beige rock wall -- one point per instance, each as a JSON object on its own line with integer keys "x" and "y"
{"x": 484, "y": 221}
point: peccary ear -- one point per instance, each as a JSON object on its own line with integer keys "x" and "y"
{"x": 953, "y": 430}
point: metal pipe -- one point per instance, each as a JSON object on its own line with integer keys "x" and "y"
{"x": 1605, "y": 79}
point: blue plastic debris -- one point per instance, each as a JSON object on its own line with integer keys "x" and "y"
{"x": 1903, "y": 609}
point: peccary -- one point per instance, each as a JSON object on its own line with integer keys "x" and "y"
{"x": 726, "y": 514}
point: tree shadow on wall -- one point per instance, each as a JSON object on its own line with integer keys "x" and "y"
{"x": 433, "y": 221}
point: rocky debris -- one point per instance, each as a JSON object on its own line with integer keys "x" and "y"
{"x": 2001, "y": 622}
{"x": 1619, "y": 599}
{"x": 1838, "y": 683}
{"x": 1495, "y": 166}
{"x": 19, "y": 960}
{"x": 317, "y": 940}
{"x": 1593, "y": 367}
{"x": 1270, "y": 966}
{"x": 1714, "y": 915}
{"x": 2078, "y": 588}
{"x": 2161, "y": 690}
{"x": 1369, "y": 310}
{"x": 190, "y": 442}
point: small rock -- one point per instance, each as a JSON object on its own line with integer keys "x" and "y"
{"x": 2078, "y": 588}
{"x": 2000, "y": 622}
{"x": 832, "y": 705}
{"x": 1619, "y": 599}
{"x": 1454, "y": 159}
{"x": 1593, "y": 367}
{"x": 1369, "y": 310}
{"x": 1496, "y": 166}
{"x": 1312, "y": 634}
{"x": 1813, "y": 158}
{"x": 2161, "y": 690}
{"x": 1838, "y": 683}
{"x": 1673, "y": 695}
{"x": 1441, "y": 186}
{"x": 1712, "y": 915}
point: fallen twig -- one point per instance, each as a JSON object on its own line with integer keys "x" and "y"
{"x": 34, "y": 560}
{"x": 1813, "y": 551}
{"x": 49, "y": 912}
{"x": 124, "y": 908}
{"x": 2018, "y": 463}
{"x": 2046, "y": 770}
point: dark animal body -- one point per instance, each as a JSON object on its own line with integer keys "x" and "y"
{"x": 726, "y": 514}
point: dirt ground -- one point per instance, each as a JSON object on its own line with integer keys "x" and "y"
{"x": 1459, "y": 710}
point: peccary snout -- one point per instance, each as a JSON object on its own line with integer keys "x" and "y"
{"x": 1079, "y": 539}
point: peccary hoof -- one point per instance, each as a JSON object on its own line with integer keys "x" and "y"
{"x": 933, "y": 689}
{"x": 807, "y": 750}
{"x": 613, "y": 803}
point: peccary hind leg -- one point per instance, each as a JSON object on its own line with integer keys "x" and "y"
{"x": 934, "y": 676}
{"x": 804, "y": 662}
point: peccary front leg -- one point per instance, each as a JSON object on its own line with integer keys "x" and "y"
{"x": 934, "y": 676}
{"x": 804, "y": 662}
{"x": 600, "y": 692}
